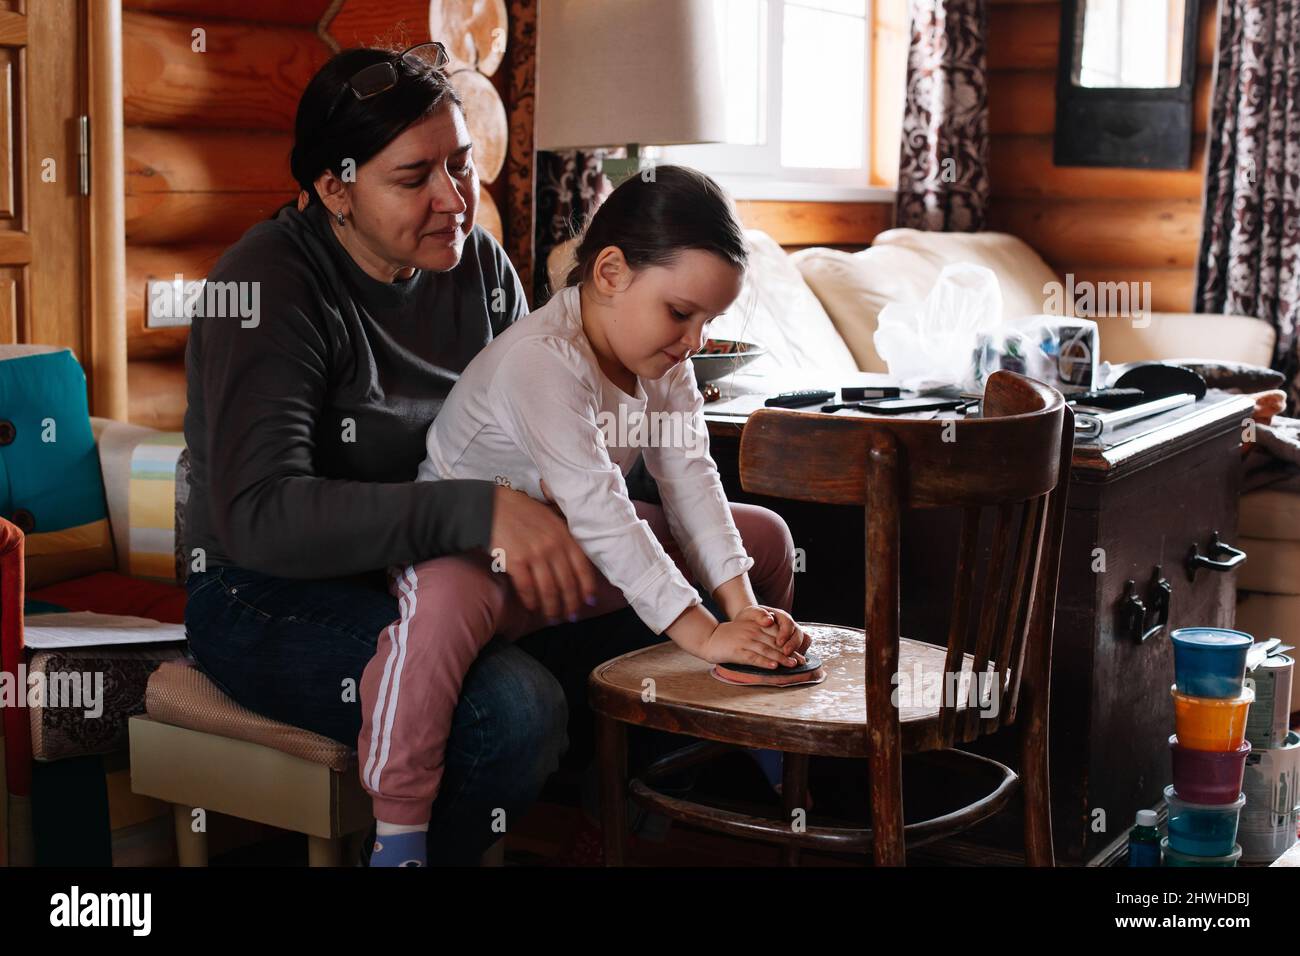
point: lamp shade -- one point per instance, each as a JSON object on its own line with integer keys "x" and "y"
{"x": 611, "y": 72}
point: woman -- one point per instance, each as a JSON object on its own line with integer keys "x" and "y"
{"x": 306, "y": 425}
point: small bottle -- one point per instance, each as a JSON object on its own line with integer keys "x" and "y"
{"x": 1144, "y": 840}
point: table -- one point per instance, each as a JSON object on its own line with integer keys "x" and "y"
{"x": 1139, "y": 502}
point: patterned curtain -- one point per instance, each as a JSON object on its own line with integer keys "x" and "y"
{"x": 943, "y": 182}
{"x": 570, "y": 185}
{"x": 1249, "y": 261}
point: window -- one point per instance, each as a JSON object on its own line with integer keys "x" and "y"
{"x": 795, "y": 76}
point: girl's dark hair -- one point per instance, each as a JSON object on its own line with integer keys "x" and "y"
{"x": 359, "y": 129}
{"x": 654, "y": 218}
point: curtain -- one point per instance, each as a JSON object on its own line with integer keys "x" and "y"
{"x": 570, "y": 185}
{"x": 943, "y": 182}
{"x": 1249, "y": 262}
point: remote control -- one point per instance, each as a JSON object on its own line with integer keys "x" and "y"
{"x": 811, "y": 396}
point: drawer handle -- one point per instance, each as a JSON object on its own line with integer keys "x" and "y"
{"x": 1142, "y": 620}
{"x": 1219, "y": 557}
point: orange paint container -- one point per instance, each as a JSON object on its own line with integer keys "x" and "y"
{"x": 1211, "y": 723}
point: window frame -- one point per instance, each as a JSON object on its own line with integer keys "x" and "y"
{"x": 756, "y": 171}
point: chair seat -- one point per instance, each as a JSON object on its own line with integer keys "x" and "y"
{"x": 829, "y": 718}
{"x": 181, "y": 695}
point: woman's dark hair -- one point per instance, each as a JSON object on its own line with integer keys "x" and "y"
{"x": 359, "y": 129}
{"x": 655, "y": 216}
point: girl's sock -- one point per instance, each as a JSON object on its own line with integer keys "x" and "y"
{"x": 400, "y": 844}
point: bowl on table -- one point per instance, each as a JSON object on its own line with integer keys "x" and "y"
{"x": 721, "y": 357}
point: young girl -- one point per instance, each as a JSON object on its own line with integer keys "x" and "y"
{"x": 559, "y": 407}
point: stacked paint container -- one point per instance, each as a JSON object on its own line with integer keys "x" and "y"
{"x": 1272, "y": 779}
{"x": 1209, "y": 750}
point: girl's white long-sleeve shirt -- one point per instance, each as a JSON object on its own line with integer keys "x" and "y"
{"x": 534, "y": 406}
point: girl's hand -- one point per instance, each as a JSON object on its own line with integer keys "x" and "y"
{"x": 548, "y": 569}
{"x": 744, "y": 642}
{"x": 788, "y": 636}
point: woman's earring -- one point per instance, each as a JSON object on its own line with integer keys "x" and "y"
{"x": 338, "y": 217}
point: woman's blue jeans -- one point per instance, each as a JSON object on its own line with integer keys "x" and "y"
{"x": 294, "y": 650}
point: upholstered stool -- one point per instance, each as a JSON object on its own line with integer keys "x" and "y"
{"x": 196, "y": 748}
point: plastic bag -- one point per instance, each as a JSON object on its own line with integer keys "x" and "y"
{"x": 934, "y": 343}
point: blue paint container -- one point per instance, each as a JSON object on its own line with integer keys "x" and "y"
{"x": 1210, "y": 661}
{"x": 1200, "y": 829}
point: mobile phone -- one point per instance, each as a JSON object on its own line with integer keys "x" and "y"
{"x": 901, "y": 406}
{"x": 867, "y": 393}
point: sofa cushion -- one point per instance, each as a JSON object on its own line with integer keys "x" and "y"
{"x": 1270, "y": 513}
{"x": 50, "y": 484}
{"x": 902, "y": 265}
{"x": 1022, "y": 274}
{"x": 1179, "y": 335}
{"x": 111, "y": 593}
{"x": 777, "y": 310}
{"x": 1273, "y": 565}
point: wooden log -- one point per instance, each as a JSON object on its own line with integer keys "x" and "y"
{"x": 386, "y": 24}
{"x": 165, "y": 218}
{"x": 485, "y": 115}
{"x": 474, "y": 31}
{"x": 1024, "y": 37}
{"x": 818, "y": 223}
{"x": 1021, "y": 167}
{"x": 149, "y": 263}
{"x": 1022, "y": 102}
{"x": 157, "y": 393}
{"x": 489, "y": 216}
{"x": 1093, "y": 232}
{"x": 250, "y": 76}
{"x": 303, "y": 13}
{"x": 207, "y": 161}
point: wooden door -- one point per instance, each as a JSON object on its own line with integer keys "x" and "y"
{"x": 52, "y": 290}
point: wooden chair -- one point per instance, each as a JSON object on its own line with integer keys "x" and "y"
{"x": 1014, "y": 462}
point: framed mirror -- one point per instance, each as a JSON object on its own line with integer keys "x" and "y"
{"x": 1125, "y": 83}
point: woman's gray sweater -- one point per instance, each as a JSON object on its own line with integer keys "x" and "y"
{"x": 311, "y": 386}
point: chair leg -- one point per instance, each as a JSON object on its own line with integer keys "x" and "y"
{"x": 325, "y": 851}
{"x": 794, "y": 796}
{"x": 611, "y": 754}
{"x": 191, "y": 847}
{"x": 1036, "y": 788}
{"x": 888, "y": 847}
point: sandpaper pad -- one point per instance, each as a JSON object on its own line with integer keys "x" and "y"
{"x": 749, "y": 675}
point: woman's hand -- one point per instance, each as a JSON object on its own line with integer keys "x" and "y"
{"x": 744, "y": 642}
{"x": 549, "y": 571}
{"x": 788, "y": 636}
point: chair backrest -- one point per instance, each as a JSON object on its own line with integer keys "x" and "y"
{"x": 1014, "y": 462}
